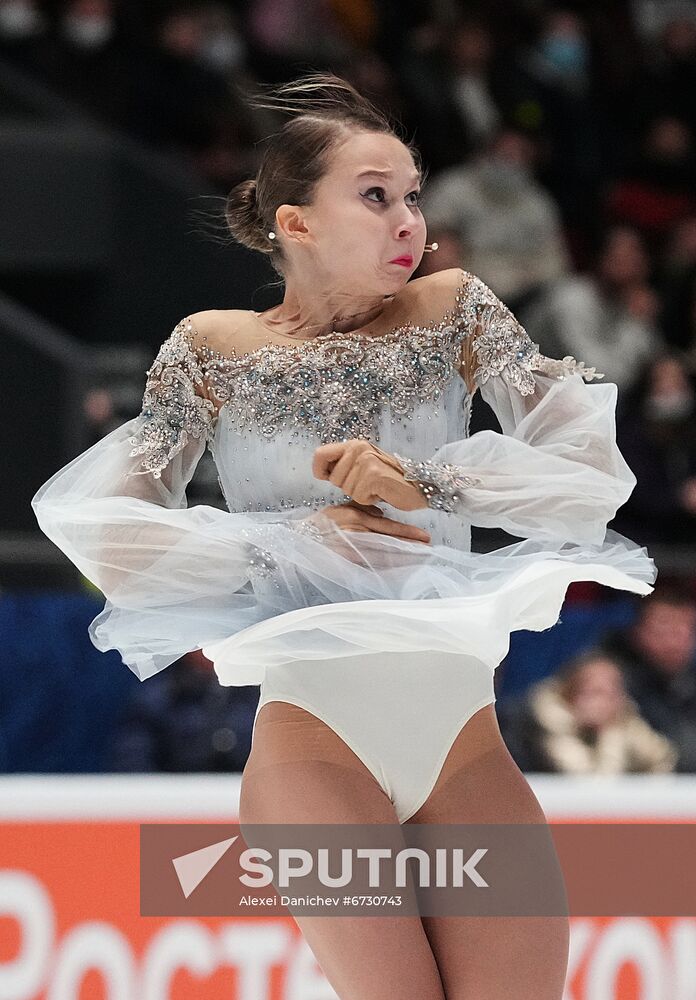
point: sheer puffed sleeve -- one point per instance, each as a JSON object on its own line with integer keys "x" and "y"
{"x": 119, "y": 512}
{"x": 555, "y": 472}
{"x": 96, "y": 508}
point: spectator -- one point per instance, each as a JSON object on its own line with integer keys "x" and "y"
{"x": 678, "y": 284}
{"x": 658, "y": 655}
{"x": 224, "y": 47}
{"x": 581, "y": 721}
{"x": 508, "y": 224}
{"x": 657, "y": 436}
{"x": 183, "y": 720}
{"x": 178, "y": 101}
{"x": 551, "y": 85}
{"x": 605, "y": 318}
{"x": 89, "y": 58}
{"x": 669, "y": 75}
{"x": 279, "y": 37}
{"x": 424, "y": 75}
{"x": 470, "y": 51}
{"x": 658, "y": 190}
{"x": 22, "y": 28}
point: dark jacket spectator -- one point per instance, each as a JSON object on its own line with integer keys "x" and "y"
{"x": 657, "y": 437}
{"x": 658, "y": 655}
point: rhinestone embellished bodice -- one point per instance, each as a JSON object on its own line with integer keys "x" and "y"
{"x": 264, "y": 411}
{"x": 283, "y": 402}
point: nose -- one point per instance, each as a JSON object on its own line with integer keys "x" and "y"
{"x": 405, "y": 225}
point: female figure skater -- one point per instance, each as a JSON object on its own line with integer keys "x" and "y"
{"x": 341, "y": 578}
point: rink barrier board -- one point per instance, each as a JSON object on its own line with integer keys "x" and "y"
{"x": 70, "y": 927}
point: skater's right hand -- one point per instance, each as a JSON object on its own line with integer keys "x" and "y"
{"x": 352, "y": 516}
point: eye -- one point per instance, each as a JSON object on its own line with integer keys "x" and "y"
{"x": 415, "y": 194}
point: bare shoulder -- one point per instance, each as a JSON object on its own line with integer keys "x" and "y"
{"x": 448, "y": 278}
{"x": 219, "y": 322}
{"x": 455, "y": 286}
{"x": 433, "y": 295}
{"x": 220, "y": 329}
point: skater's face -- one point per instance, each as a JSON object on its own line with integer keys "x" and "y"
{"x": 364, "y": 215}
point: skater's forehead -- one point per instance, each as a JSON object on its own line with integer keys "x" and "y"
{"x": 382, "y": 156}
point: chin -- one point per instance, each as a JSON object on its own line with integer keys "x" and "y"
{"x": 399, "y": 276}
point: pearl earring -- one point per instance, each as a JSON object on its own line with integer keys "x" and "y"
{"x": 271, "y": 235}
{"x": 429, "y": 247}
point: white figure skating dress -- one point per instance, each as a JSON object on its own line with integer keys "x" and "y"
{"x": 272, "y": 582}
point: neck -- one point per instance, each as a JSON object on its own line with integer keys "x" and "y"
{"x": 311, "y": 310}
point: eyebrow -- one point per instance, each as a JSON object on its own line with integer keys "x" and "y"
{"x": 385, "y": 173}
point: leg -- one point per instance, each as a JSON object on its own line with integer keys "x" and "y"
{"x": 300, "y": 771}
{"x": 491, "y": 958}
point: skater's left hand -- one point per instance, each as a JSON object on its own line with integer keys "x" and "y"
{"x": 366, "y": 474}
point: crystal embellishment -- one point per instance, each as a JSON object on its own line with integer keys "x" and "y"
{"x": 334, "y": 387}
{"x": 172, "y": 409}
{"x": 503, "y": 346}
{"x": 440, "y": 483}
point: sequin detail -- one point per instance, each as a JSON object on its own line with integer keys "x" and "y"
{"x": 173, "y": 410}
{"x": 261, "y": 564}
{"x": 503, "y": 347}
{"x": 440, "y": 483}
{"x": 306, "y": 526}
{"x": 336, "y": 390}
{"x": 336, "y": 386}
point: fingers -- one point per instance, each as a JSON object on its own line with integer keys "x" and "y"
{"x": 324, "y": 458}
{"x": 364, "y": 477}
{"x": 345, "y": 474}
{"x": 341, "y": 462}
{"x": 387, "y": 526}
{"x": 370, "y": 518}
{"x": 368, "y": 508}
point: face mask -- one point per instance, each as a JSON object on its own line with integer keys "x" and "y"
{"x": 19, "y": 20}
{"x": 567, "y": 54}
{"x": 87, "y": 32}
{"x": 676, "y": 406}
{"x": 503, "y": 177}
{"x": 223, "y": 51}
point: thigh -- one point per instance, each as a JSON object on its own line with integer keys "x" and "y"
{"x": 498, "y": 957}
{"x": 300, "y": 771}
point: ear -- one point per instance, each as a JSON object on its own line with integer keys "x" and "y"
{"x": 291, "y": 221}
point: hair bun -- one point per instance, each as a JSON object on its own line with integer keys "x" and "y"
{"x": 242, "y": 215}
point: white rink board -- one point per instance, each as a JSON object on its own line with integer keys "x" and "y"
{"x": 148, "y": 797}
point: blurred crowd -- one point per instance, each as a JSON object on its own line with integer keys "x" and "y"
{"x": 559, "y": 139}
{"x": 560, "y": 143}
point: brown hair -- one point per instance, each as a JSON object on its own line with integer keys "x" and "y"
{"x": 569, "y": 676}
{"x": 323, "y": 108}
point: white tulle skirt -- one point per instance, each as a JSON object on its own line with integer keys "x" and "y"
{"x": 306, "y": 602}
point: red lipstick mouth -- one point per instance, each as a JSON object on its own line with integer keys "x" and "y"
{"x": 406, "y": 260}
